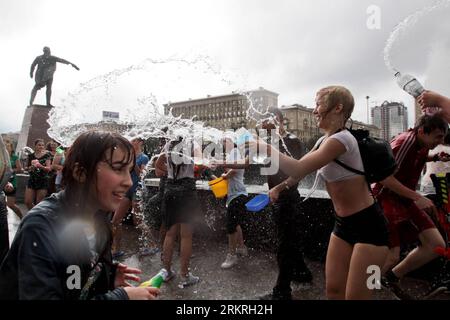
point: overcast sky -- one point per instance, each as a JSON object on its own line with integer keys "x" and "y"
{"x": 290, "y": 47}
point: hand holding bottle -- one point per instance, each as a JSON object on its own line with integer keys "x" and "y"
{"x": 430, "y": 100}
{"x": 415, "y": 88}
{"x": 142, "y": 293}
{"x": 156, "y": 281}
{"x": 409, "y": 84}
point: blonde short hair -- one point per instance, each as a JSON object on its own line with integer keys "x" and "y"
{"x": 335, "y": 95}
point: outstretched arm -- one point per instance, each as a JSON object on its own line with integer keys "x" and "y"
{"x": 66, "y": 62}
{"x": 238, "y": 164}
{"x": 298, "y": 169}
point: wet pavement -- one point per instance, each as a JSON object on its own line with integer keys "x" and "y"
{"x": 252, "y": 277}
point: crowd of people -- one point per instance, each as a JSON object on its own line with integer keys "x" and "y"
{"x": 78, "y": 197}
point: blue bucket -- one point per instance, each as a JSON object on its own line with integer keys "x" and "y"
{"x": 258, "y": 203}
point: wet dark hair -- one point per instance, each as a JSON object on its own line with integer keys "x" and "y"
{"x": 86, "y": 152}
{"x": 431, "y": 123}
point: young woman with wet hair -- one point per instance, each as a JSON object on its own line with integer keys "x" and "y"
{"x": 62, "y": 249}
{"x": 360, "y": 235}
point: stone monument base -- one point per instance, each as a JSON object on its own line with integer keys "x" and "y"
{"x": 34, "y": 126}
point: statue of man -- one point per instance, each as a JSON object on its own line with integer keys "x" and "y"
{"x": 44, "y": 75}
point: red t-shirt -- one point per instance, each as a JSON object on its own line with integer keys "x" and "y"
{"x": 410, "y": 158}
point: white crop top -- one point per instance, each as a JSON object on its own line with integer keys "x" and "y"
{"x": 333, "y": 172}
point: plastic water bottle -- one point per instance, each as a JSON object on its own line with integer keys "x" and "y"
{"x": 155, "y": 282}
{"x": 409, "y": 84}
{"x": 412, "y": 86}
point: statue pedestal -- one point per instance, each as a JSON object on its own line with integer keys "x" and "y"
{"x": 34, "y": 126}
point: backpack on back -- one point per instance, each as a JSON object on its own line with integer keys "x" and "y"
{"x": 377, "y": 156}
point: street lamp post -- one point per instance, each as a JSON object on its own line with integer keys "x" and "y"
{"x": 367, "y": 98}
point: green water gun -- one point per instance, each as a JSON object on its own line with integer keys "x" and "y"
{"x": 154, "y": 282}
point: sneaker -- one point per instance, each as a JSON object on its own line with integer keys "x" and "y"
{"x": 188, "y": 280}
{"x": 167, "y": 275}
{"x": 242, "y": 251}
{"x": 148, "y": 251}
{"x": 394, "y": 287}
{"x": 230, "y": 261}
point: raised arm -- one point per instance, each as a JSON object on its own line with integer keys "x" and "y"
{"x": 433, "y": 99}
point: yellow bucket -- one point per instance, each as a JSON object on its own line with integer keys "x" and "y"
{"x": 219, "y": 187}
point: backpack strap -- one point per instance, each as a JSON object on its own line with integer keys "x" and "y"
{"x": 362, "y": 173}
{"x": 351, "y": 169}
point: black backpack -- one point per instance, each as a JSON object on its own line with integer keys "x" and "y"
{"x": 377, "y": 157}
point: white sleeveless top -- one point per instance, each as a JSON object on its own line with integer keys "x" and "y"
{"x": 333, "y": 172}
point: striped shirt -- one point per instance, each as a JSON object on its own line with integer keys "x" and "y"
{"x": 410, "y": 158}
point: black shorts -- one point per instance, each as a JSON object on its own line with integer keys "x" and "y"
{"x": 235, "y": 213}
{"x": 180, "y": 202}
{"x": 38, "y": 183}
{"x": 366, "y": 226}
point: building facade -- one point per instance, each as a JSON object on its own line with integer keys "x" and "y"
{"x": 300, "y": 121}
{"x": 225, "y": 111}
{"x": 391, "y": 118}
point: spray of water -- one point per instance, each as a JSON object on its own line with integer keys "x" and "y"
{"x": 403, "y": 26}
{"x": 162, "y": 81}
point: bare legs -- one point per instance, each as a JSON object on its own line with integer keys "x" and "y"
{"x": 429, "y": 239}
{"x": 235, "y": 240}
{"x": 186, "y": 247}
{"x": 346, "y": 268}
{"x": 31, "y": 194}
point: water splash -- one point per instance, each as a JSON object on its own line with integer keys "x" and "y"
{"x": 144, "y": 89}
{"x": 403, "y": 26}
